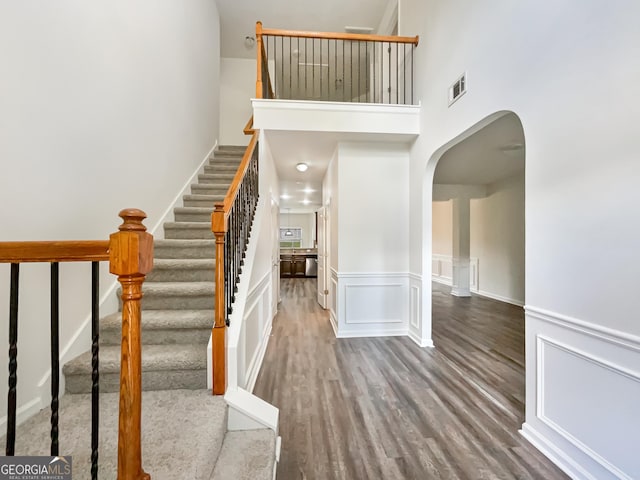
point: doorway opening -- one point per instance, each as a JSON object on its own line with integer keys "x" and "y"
{"x": 478, "y": 256}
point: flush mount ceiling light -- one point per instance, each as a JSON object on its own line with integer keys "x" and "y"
{"x": 302, "y": 167}
{"x": 512, "y": 147}
{"x": 249, "y": 41}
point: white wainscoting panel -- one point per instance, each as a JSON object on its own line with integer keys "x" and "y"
{"x": 380, "y": 303}
{"x": 372, "y": 304}
{"x": 442, "y": 270}
{"x": 583, "y": 396}
{"x": 333, "y": 306}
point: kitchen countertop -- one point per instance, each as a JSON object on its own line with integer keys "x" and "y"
{"x": 298, "y": 251}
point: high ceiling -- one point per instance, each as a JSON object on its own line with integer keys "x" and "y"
{"x": 237, "y": 21}
{"x": 494, "y": 153}
{"x": 238, "y": 18}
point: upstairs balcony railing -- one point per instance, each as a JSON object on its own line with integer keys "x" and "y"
{"x": 338, "y": 67}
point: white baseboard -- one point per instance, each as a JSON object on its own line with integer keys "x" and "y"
{"x": 562, "y": 461}
{"x": 25, "y": 412}
{"x": 402, "y": 332}
{"x": 494, "y": 296}
{"x": 500, "y": 298}
{"x": 167, "y": 216}
{"x": 421, "y": 342}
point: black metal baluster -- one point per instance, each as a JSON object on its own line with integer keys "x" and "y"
{"x": 412, "y": 48}
{"x": 374, "y": 71}
{"x": 397, "y": 77}
{"x": 298, "y": 69}
{"x": 404, "y": 73}
{"x": 290, "y": 71}
{"x": 359, "y": 68}
{"x": 306, "y": 62}
{"x": 13, "y": 359}
{"x": 282, "y": 62}
{"x": 389, "y": 75}
{"x": 344, "y": 80}
{"x": 95, "y": 364}
{"x": 335, "y": 65}
{"x": 366, "y": 72}
{"x": 55, "y": 355}
{"x": 351, "y": 71}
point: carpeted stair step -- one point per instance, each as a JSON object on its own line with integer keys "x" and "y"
{"x": 182, "y": 434}
{"x": 162, "y": 327}
{"x": 210, "y": 188}
{"x": 231, "y": 148}
{"x": 177, "y": 295}
{"x": 246, "y": 455}
{"x": 202, "y": 201}
{"x": 180, "y": 248}
{"x": 192, "y": 214}
{"x": 182, "y": 270}
{"x": 216, "y": 178}
{"x": 188, "y": 230}
{"x": 221, "y": 167}
{"x": 164, "y": 367}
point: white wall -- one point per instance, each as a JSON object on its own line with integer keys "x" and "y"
{"x": 237, "y": 88}
{"x": 497, "y": 240}
{"x": 103, "y": 105}
{"x": 558, "y": 68}
{"x": 373, "y": 208}
{"x": 371, "y": 281}
{"x": 442, "y": 227}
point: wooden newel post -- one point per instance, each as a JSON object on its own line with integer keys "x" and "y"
{"x": 218, "y": 332}
{"x": 259, "y": 50}
{"x": 131, "y": 258}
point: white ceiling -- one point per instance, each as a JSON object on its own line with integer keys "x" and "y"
{"x": 494, "y": 153}
{"x": 485, "y": 157}
{"x": 316, "y": 149}
{"x": 238, "y": 18}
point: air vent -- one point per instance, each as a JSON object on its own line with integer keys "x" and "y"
{"x": 458, "y": 89}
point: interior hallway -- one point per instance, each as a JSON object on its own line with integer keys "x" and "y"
{"x": 383, "y": 408}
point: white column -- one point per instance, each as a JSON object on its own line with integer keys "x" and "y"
{"x": 461, "y": 247}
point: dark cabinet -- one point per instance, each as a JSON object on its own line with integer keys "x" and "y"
{"x": 298, "y": 266}
{"x": 295, "y": 266}
{"x": 286, "y": 267}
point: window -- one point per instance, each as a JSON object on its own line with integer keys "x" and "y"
{"x": 290, "y": 237}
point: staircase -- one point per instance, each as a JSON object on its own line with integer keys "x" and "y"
{"x": 184, "y": 432}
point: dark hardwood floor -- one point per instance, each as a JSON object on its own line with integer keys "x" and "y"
{"x": 383, "y": 408}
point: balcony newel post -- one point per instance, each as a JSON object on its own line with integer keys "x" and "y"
{"x": 131, "y": 258}
{"x": 259, "y": 49}
{"x": 218, "y": 332}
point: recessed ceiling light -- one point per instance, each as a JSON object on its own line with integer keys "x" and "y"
{"x": 306, "y": 201}
{"x": 302, "y": 167}
{"x": 284, "y": 196}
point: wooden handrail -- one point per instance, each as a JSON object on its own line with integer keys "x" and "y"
{"x": 57, "y": 251}
{"x": 248, "y": 128}
{"x": 130, "y": 255}
{"x": 232, "y": 193}
{"x": 219, "y": 227}
{"x": 339, "y": 36}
